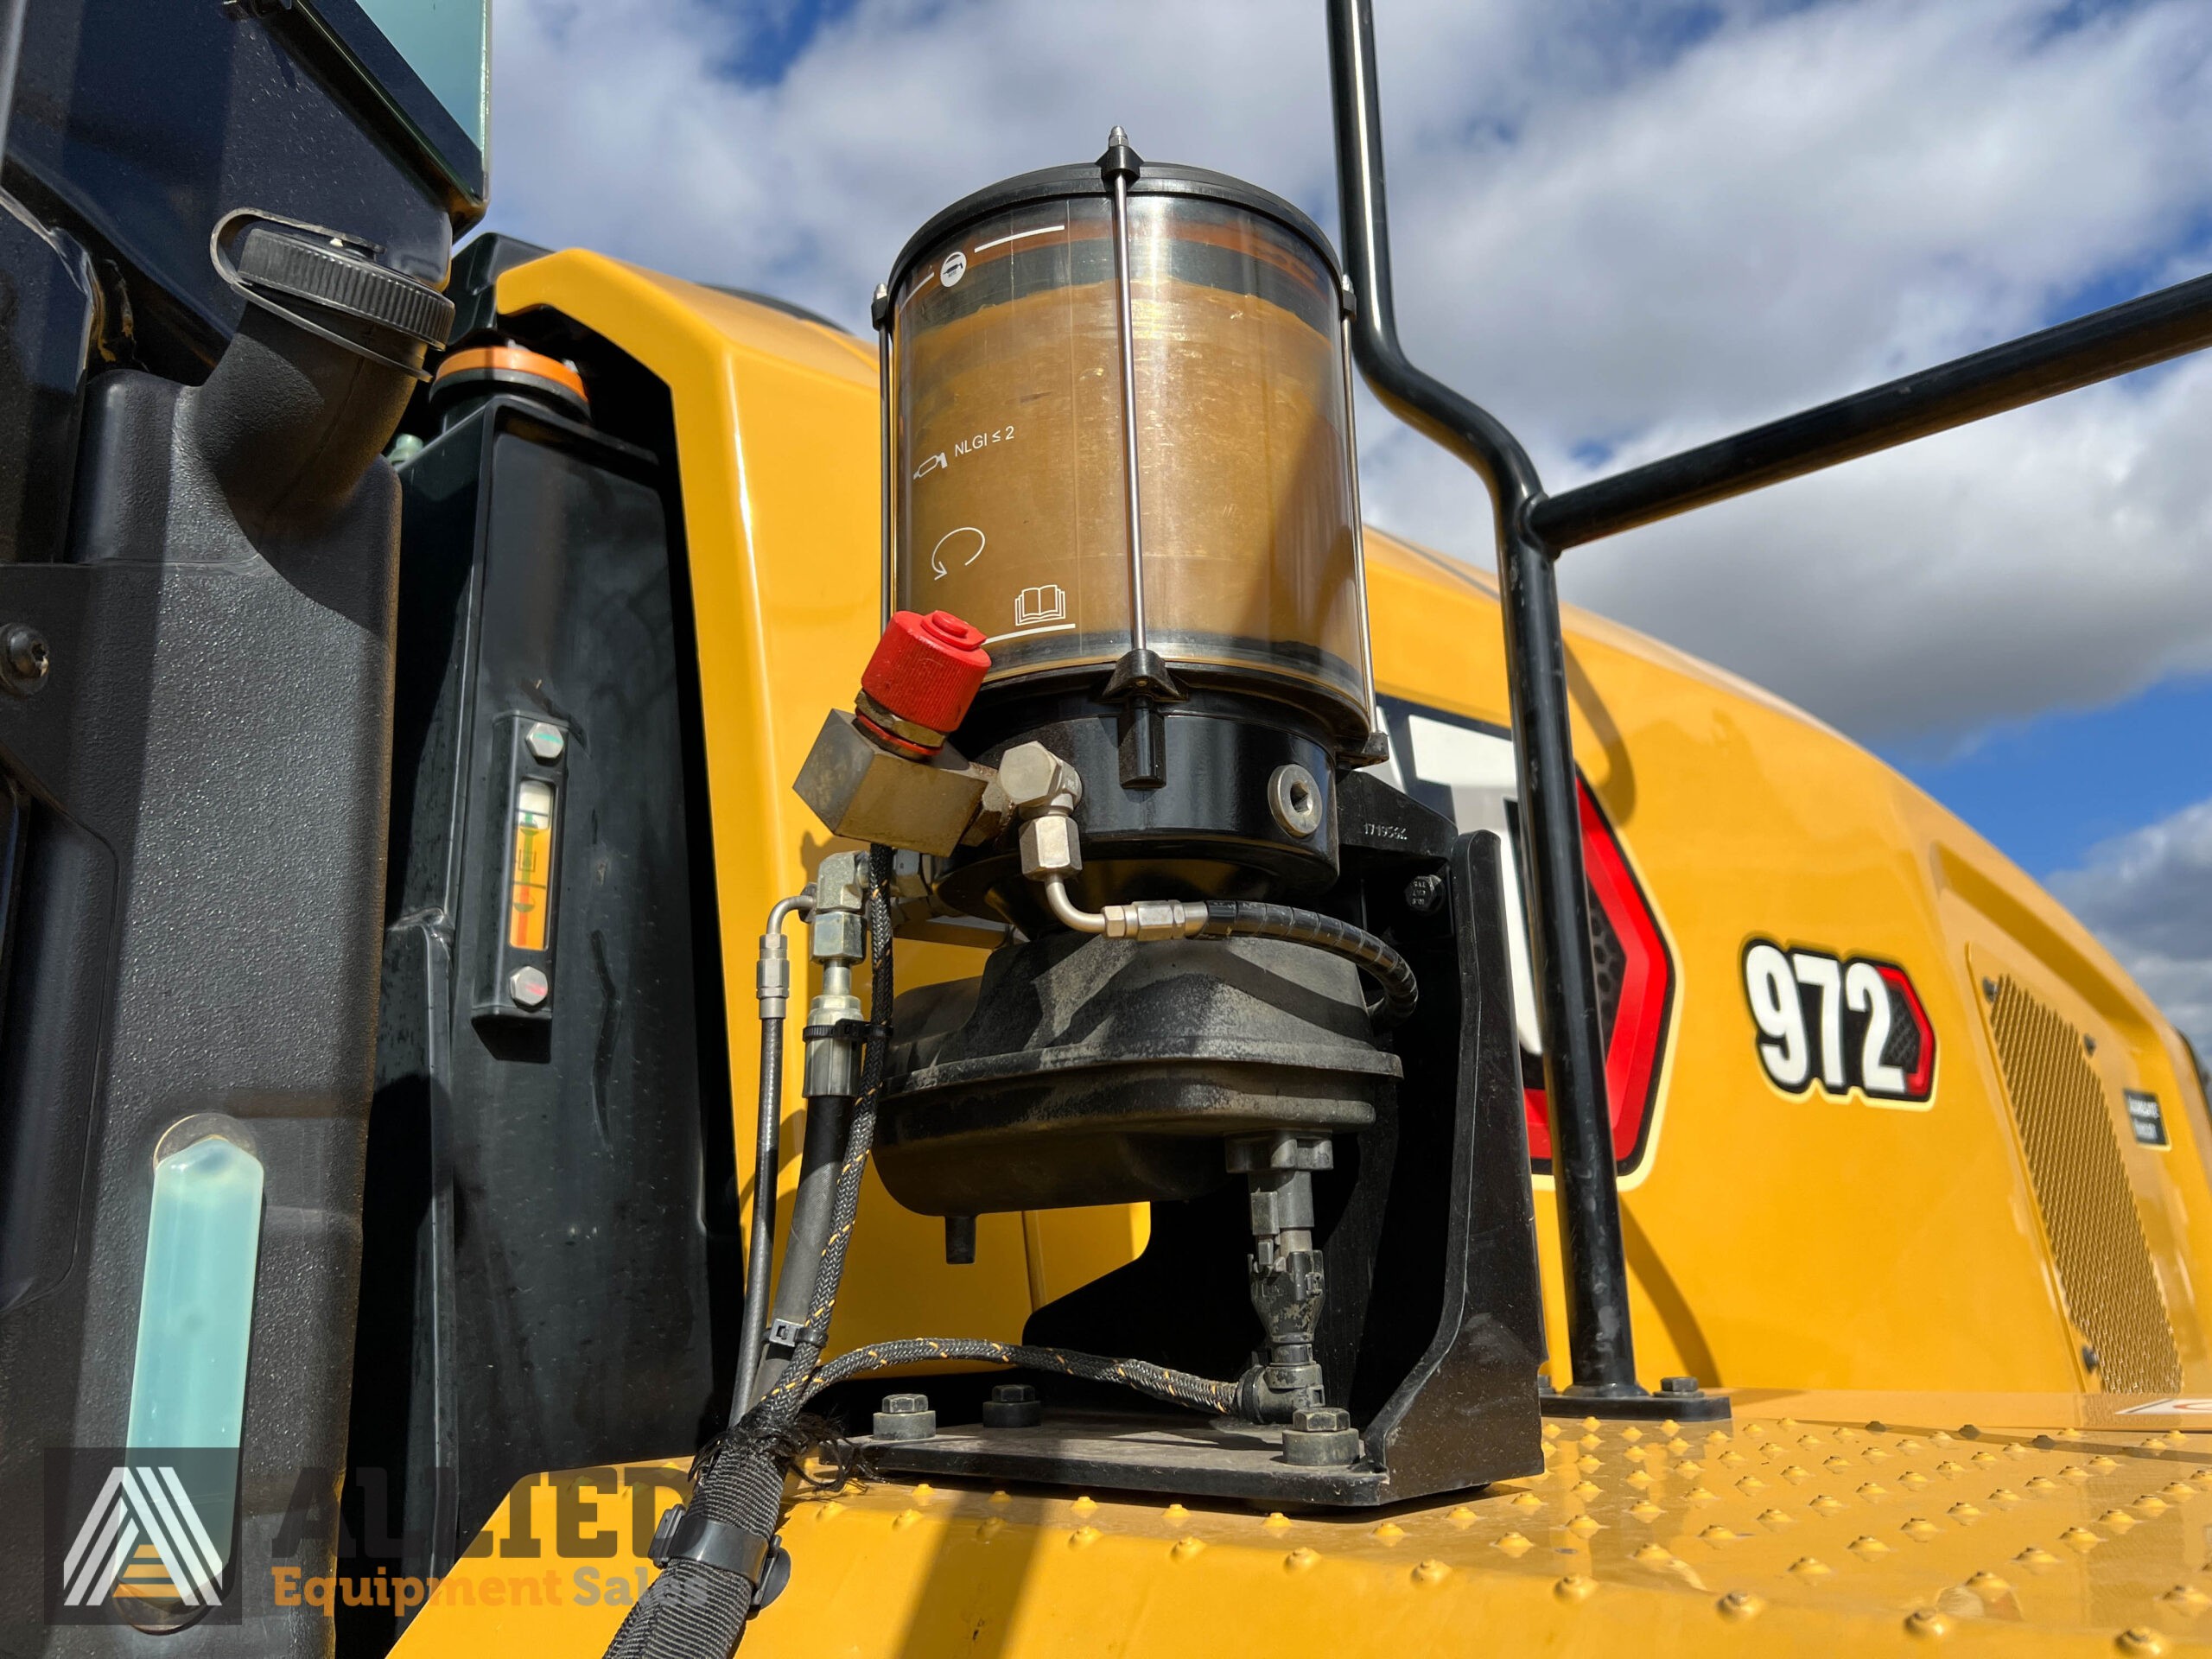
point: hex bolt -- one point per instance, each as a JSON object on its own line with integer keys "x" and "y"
{"x": 529, "y": 987}
{"x": 546, "y": 743}
{"x": 1680, "y": 1385}
{"x": 24, "y": 660}
{"x": 905, "y": 1417}
{"x": 1320, "y": 1437}
{"x": 1424, "y": 892}
{"x": 1012, "y": 1405}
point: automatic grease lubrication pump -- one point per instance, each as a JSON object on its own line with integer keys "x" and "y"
{"x": 1122, "y": 725}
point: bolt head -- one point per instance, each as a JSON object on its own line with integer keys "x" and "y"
{"x": 1680, "y": 1385}
{"x": 529, "y": 987}
{"x": 546, "y": 743}
{"x": 1294, "y": 798}
{"x": 24, "y": 661}
{"x": 1320, "y": 1420}
{"x": 1424, "y": 892}
{"x": 1014, "y": 1394}
{"x": 904, "y": 1403}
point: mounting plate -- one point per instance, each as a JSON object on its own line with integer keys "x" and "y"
{"x": 1190, "y": 1456}
{"x": 1706, "y": 1406}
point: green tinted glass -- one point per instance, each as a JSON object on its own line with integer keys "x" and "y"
{"x": 447, "y": 43}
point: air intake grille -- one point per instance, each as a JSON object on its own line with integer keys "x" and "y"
{"x": 2096, "y": 1238}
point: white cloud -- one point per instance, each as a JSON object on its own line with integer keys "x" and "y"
{"x": 2148, "y": 895}
{"x": 1628, "y": 224}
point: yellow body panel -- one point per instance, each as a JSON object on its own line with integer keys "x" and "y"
{"x": 2027, "y": 1524}
{"x": 1776, "y": 1242}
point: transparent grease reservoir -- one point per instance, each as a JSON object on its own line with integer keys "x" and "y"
{"x": 1010, "y": 452}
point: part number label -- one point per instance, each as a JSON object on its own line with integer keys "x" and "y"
{"x": 1844, "y": 1024}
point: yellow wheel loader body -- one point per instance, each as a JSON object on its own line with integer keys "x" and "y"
{"x": 1962, "y": 1330}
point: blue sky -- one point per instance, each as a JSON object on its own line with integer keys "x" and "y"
{"x": 2050, "y": 789}
{"x": 1627, "y": 225}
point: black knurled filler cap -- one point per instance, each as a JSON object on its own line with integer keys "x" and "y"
{"x": 288, "y": 262}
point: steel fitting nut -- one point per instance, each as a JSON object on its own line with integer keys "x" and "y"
{"x": 840, "y": 882}
{"x": 1051, "y": 846}
{"x": 1037, "y": 780}
{"x": 1155, "y": 919}
{"x": 837, "y": 936}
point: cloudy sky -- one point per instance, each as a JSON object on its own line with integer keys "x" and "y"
{"x": 1625, "y": 226}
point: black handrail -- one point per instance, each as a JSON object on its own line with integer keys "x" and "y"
{"x": 1599, "y": 1343}
{"x": 2170, "y": 323}
{"x": 1533, "y": 529}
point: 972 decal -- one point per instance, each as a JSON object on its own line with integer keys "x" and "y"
{"x": 1844, "y": 1023}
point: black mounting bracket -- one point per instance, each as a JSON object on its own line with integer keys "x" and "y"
{"x": 1431, "y": 1325}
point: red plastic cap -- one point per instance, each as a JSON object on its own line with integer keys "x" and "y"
{"x": 926, "y": 669}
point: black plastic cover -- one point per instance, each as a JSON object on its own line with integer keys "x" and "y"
{"x": 550, "y": 1231}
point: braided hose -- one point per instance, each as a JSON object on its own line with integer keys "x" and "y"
{"x": 696, "y": 1610}
{"x": 1177, "y": 1387}
{"x": 1229, "y": 919}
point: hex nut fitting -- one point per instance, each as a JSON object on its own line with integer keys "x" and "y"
{"x": 1320, "y": 1437}
{"x": 529, "y": 987}
{"x": 546, "y": 743}
{"x": 1037, "y": 780}
{"x": 905, "y": 1417}
{"x": 836, "y": 936}
{"x": 1012, "y": 1405}
{"x": 1051, "y": 846}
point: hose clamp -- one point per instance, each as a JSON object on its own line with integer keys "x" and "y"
{"x": 761, "y": 1561}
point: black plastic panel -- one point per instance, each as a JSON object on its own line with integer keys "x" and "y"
{"x": 204, "y": 770}
{"x": 46, "y": 330}
{"x": 138, "y": 123}
{"x": 547, "y": 1219}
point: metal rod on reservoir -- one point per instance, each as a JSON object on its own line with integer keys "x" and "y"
{"x": 881, "y": 312}
{"x": 1358, "y": 520}
{"x": 1599, "y": 1343}
{"x": 2134, "y": 335}
{"x": 1117, "y": 148}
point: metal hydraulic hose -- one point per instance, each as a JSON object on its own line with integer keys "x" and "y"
{"x": 1376, "y": 957}
{"x": 773, "y": 987}
{"x": 1168, "y": 918}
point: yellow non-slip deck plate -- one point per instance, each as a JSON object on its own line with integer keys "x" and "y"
{"x": 1822, "y": 1523}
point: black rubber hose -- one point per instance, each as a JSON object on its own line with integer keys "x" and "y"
{"x": 813, "y": 1213}
{"x": 1235, "y": 918}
